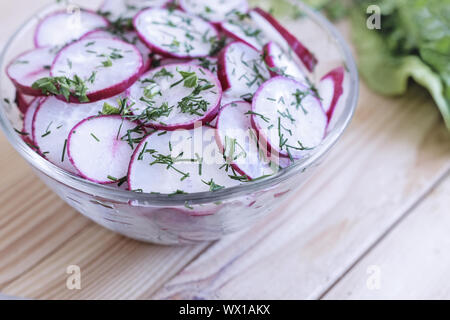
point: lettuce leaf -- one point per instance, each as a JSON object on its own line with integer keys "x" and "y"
{"x": 414, "y": 42}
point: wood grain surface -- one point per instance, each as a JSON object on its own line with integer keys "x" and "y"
{"x": 372, "y": 199}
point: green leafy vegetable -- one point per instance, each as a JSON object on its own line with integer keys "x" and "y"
{"x": 413, "y": 42}
{"x": 64, "y": 86}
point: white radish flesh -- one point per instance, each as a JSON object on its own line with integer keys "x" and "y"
{"x": 107, "y": 66}
{"x": 128, "y": 36}
{"x": 176, "y": 96}
{"x": 214, "y": 10}
{"x": 116, "y": 10}
{"x": 62, "y": 27}
{"x": 181, "y": 162}
{"x": 289, "y": 117}
{"x": 282, "y": 63}
{"x": 53, "y": 121}
{"x": 239, "y": 142}
{"x": 175, "y": 33}
{"x": 29, "y": 67}
{"x": 244, "y": 29}
{"x": 242, "y": 70}
{"x": 98, "y": 148}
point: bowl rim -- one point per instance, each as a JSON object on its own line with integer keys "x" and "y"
{"x": 198, "y": 198}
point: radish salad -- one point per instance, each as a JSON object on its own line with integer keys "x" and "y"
{"x": 172, "y": 97}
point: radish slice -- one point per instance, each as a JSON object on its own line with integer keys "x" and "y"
{"x": 98, "y": 34}
{"x": 28, "y": 120}
{"x": 214, "y": 10}
{"x": 331, "y": 89}
{"x": 116, "y": 10}
{"x": 241, "y": 70}
{"x": 273, "y": 29}
{"x": 107, "y": 66}
{"x": 133, "y": 38}
{"x": 23, "y": 101}
{"x": 175, "y": 33}
{"x": 29, "y": 67}
{"x": 98, "y": 147}
{"x": 282, "y": 63}
{"x": 176, "y": 96}
{"x": 289, "y": 117}
{"x": 180, "y": 162}
{"x": 244, "y": 29}
{"x": 130, "y": 37}
{"x": 62, "y": 27}
{"x": 209, "y": 63}
{"x": 52, "y": 123}
{"x": 239, "y": 142}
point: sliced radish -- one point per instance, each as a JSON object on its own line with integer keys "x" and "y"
{"x": 116, "y": 10}
{"x": 175, "y": 33}
{"x": 23, "y": 101}
{"x": 28, "y": 120}
{"x": 242, "y": 28}
{"x": 176, "y": 96}
{"x": 99, "y": 147}
{"x": 96, "y": 34}
{"x": 107, "y": 66}
{"x": 133, "y": 38}
{"x": 128, "y": 36}
{"x": 214, "y": 10}
{"x": 62, "y": 27}
{"x": 241, "y": 70}
{"x": 29, "y": 67}
{"x": 331, "y": 89}
{"x": 289, "y": 117}
{"x": 282, "y": 63}
{"x": 53, "y": 121}
{"x": 273, "y": 29}
{"x": 239, "y": 142}
{"x": 181, "y": 162}
{"x": 169, "y": 61}
{"x": 209, "y": 63}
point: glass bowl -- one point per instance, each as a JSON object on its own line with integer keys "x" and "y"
{"x": 194, "y": 217}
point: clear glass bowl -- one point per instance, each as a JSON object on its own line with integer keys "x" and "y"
{"x": 168, "y": 219}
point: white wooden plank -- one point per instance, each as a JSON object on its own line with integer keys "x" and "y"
{"x": 411, "y": 262}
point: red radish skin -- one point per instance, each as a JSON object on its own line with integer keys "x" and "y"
{"x": 167, "y": 86}
{"x": 53, "y": 121}
{"x": 62, "y": 27}
{"x": 234, "y": 132}
{"x": 152, "y": 26}
{"x": 28, "y": 120}
{"x": 23, "y": 101}
{"x": 281, "y": 63}
{"x": 331, "y": 88}
{"x": 288, "y": 117}
{"x": 30, "y": 66}
{"x": 305, "y": 55}
{"x": 97, "y": 150}
{"x": 85, "y": 58}
{"x": 236, "y": 70}
{"x": 214, "y": 10}
{"x": 127, "y": 9}
{"x": 170, "y": 180}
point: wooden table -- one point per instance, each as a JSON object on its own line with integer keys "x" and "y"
{"x": 373, "y": 223}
